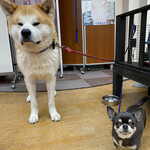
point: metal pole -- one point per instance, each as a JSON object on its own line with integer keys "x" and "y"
{"x": 83, "y": 43}
{"x": 59, "y": 38}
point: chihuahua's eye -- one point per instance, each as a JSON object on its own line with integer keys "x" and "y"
{"x": 36, "y": 24}
{"x": 20, "y": 24}
{"x": 132, "y": 123}
{"x": 117, "y": 123}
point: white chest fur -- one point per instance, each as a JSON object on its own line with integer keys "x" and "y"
{"x": 120, "y": 144}
{"x": 39, "y": 65}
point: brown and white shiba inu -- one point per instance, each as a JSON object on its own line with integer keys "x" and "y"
{"x": 33, "y": 30}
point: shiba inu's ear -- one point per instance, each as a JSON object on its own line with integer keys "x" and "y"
{"x": 111, "y": 113}
{"x": 8, "y": 7}
{"x": 48, "y": 6}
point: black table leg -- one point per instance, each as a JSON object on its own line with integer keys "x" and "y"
{"x": 117, "y": 81}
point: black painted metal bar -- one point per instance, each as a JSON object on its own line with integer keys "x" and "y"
{"x": 133, "y": 73}
{"x": 120, "y": 38}
{"x": 142, "y": 38}
{"x": 117, "y": 81}
{"x": 135, "y": 11}
{"x": 131, "y": 22}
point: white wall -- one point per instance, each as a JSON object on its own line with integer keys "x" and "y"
{"x": 5, "y": 53}
{"x": 134, "y": 4}
{"x": 121, "y": 6}
{"x": 118, "y": 7}
{"x": 127, "y": 5}
{"x": 148, "y": 15}
{"x": 142, "y": 3}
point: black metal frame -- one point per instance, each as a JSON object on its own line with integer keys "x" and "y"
{"x": 139, "y": 72}
{"x": 14, "y": 62}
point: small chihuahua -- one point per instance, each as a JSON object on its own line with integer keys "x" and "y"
{"x": 128, "y": 126}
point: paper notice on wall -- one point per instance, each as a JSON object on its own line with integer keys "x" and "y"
{"x": 26, "y": 2}
{"x": 98, "y": 12}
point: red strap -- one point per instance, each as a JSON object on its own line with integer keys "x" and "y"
{"x": 94, "y": 57}
{"x": 73, "y": 51}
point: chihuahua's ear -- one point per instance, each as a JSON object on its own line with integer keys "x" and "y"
{"x": 111, "y": 113}
{"x": 139, "y": 113}
{"x": 8, "y": 7}
{"x": 48, "y": 6}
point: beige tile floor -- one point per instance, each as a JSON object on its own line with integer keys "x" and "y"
{"x": 84, "y": 124}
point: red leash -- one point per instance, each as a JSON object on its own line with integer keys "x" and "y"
{"x": 94, "y": 57}
{"x": 73, "y": 51}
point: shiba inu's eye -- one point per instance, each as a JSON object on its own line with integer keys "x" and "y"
{"x": 20, "y": 24}
{"x": 36, "y": 24}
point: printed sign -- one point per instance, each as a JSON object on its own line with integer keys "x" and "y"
{"x": 98, "y": 12}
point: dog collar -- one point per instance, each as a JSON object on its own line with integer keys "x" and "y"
{"x": 52, "y": 45}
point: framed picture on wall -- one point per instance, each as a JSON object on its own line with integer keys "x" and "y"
{"x": 98, "y": 12}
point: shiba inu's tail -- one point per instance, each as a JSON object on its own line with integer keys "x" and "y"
{"x": 143, "y": 100}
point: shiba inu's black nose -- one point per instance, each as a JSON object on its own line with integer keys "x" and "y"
{"x": 25, "y": 33}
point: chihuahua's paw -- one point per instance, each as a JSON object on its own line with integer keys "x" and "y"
{"x": 33, "y": 118}
{"x": 28, "y": 99}
{"x": 55, "y": 116}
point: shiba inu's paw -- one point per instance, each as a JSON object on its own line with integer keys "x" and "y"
{"x": 33, "y": 119}
{"x": 55, "y": 116}
{"x": 28, "y": 99}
